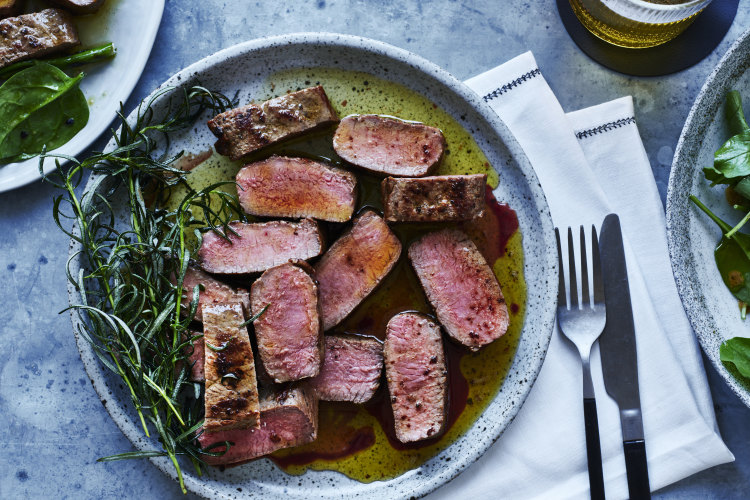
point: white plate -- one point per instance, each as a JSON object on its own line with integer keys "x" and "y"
{"x": 131, "y": 25}
{"x": 692, "y": 236}
{"x": 246, "y": 69}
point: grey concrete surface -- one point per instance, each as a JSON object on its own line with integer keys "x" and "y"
{"x": 53, "y": 425}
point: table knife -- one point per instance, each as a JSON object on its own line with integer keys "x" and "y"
{"x": 618, "y": 353}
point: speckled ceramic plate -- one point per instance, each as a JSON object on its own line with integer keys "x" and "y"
{"x": 692, "y": 237}
{"x": 132, "y": 26}
{"x": 246, "y": 68}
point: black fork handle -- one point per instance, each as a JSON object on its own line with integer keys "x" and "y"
{"x": 593, "y": 449}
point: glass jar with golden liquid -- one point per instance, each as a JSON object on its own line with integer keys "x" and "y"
{"x": 637, "y": 23}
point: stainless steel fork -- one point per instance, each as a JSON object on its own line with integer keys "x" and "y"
{"x": 582, "y": 323}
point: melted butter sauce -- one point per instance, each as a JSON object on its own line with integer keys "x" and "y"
{"x": 358, "y": 440}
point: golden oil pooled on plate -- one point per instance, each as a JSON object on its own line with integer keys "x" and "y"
{"x": 358, "y": 441}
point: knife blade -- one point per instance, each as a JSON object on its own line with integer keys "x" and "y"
{"x": 619, "y": 359}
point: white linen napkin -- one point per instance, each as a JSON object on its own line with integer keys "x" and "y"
{"x": 590, "y": 163}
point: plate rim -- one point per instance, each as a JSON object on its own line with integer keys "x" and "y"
{"x": 546, "y": 294}
{"x": 132, "y": 78}
{"x": 703, "y": 322}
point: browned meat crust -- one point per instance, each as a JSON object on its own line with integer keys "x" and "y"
{"x": 434, "y": 199}
{"x": 387, "y": 145}
{"x": 249, "y": 128}
{"x": 36, "y": 35}
{"x": 231, "y": 397}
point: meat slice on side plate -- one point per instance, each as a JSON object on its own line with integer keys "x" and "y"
{"x": 417, "y": 376}
{"x": 214, "y": 292}
{"x": 36, "y": 35}
{"x": 297, "y": 187}
{"x": 249, "y": 128}
{"x": 288, "y": 417}
{"x": 288, "y": 333}
{"x": 351, "y": 369}
{"x": 387, "y": 145}
{"x": 354, "y": 265}
{"x": 231, "y": 397}
{"x": 461, "y": 286}
{"x": 260, "y": 246}
{"x": 80, "y": 6}
{"x": 442, "y": 198}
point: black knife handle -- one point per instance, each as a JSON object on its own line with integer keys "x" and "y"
{"x": 637, "y": 469}
{"x": 593, "y": 449}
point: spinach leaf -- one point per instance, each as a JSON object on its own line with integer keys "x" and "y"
{"x": 743, "y": 189}
{"x": 732, "y": 159}
{"x": 39, "y": 105}
{"x": 732, "y": 256}
{"x": 734, "y": 266}
{"x": 734, "y": 115}
{"x": 736, "y": 351}
{"x": 53, "y": 125}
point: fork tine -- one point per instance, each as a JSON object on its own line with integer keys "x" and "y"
{"x": 598, "y": 282}
{"x": 561, "y": 302}
{"x": 585, "y": 300}
{"x": 572, "y": 271}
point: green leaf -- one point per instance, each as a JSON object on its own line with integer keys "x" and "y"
{"x": 734, "y": 115}
{"x": 743, "y": 188}
{"x": 732, "y": 256}
{"x": 732, "y": 159}
{"x": 736, "y": 351}
{"x": 734, "y": 267}
{"x": 39, "y": 106}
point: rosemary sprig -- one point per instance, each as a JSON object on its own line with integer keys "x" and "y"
{"x": 129, "y": 300}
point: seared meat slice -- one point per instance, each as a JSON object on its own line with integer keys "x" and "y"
{"x": 388, "y": 145}
{"x": 297, "y": 187}
{"x": 287, "y": 418}
{"x": 354, "y": 265}
{"x": 214, "y": 292}
{"x": 243, "y": 130}
{"x": 417, "y": 376}
{"x": 8, "y": 7}
{"x": 351, "y": 369}
{"x": 80, "y": 6}
{"x": 36, "y": 35}
{"x": 231, "y": 397}
{"x": 260, "y": 246}
{"x": 290, "y": 340}
{"x": 461, "y": 287}
{"x": 434, "y": 199}
{"x": 197, "y": 358}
